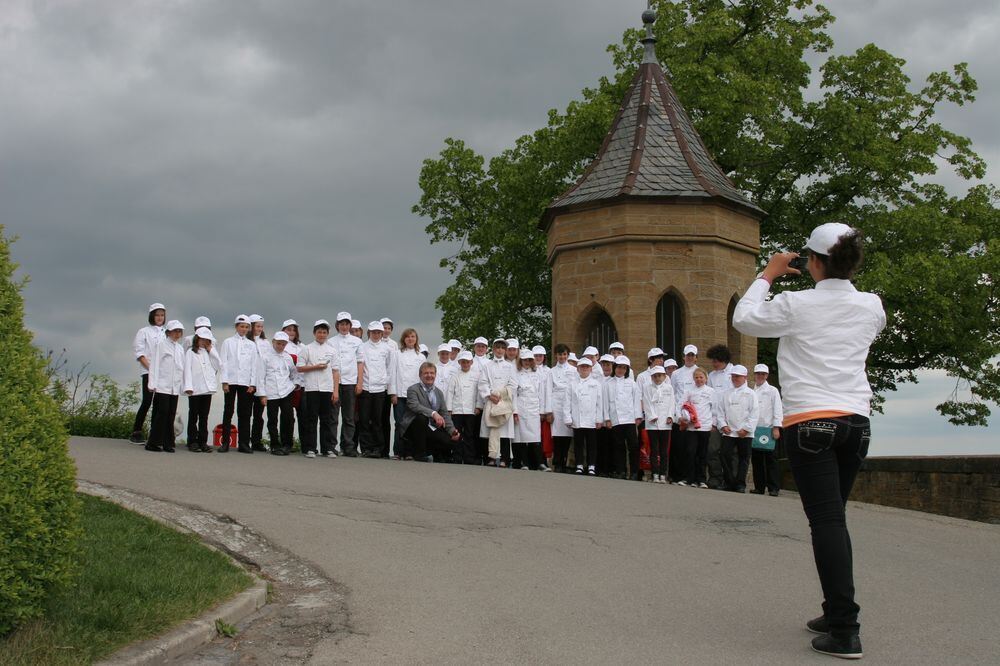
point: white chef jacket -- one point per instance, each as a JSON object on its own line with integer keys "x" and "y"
{"x": 531, "y": 402}
{"x": 683, "y": 381}
{"x": 315, "y": 353}
{"x": 769, "y": 401}
{"x": 407, "y": 371}
{"x": 560, "y": 379}
{"x": 738, "y": 409}
{"x": 720, "y": 379}
{"x": 824, "y": 337}
{"x": 622, "y": 401}
{"x": 378, "y": 363}
{"x": 443, "y": 376}
{"x": 703, "y": 400}
{"x": 349, "y": 352}
{"x": 279, "y": 375}
{"x": 462, "y": 396}
{"x": 494, "y": 375}
{"x": 144, "y": 344}
{"x": 166, "y": 367}
{"x": 294, "y": 349}
{"x": 584, "y": 404}
{"x": 239, "y": 361}
{"x": 658, "y": 404}
{"x": 201, "y": 372}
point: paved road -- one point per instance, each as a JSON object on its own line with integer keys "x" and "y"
{"x": 449, "y": 564}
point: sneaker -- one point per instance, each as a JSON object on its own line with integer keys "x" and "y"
{"x": 310, "y": 454}
{"x": 844, "y": 648}
{"x": 773, "y": 493}
{"x": 818, "y": 625}
{"x": 682, "y": 483}
{"x": 153, "y": 447}
{"x": 591, "y": 471}
{"x": 525, "y": 467}
{"x": 703, "y": 485}
{"x": 502, "y": 465}
{"x": 579, "y": 469}
{"x": 544, "y": 468}
{"x": 330, "y": 454}
{"x": 137, "y": 438}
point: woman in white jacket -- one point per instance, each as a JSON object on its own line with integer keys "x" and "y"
{"x": 201, "y": 381}
{"x": 143, "y": 346}
{"x": 697, "y": 402}
{"x": 658, "y": 405}
{"x": 530, "y": 402}
{"x": 406, "y": 373}
{"x": 166, "y": 380}
{"x": 584, "y": 413}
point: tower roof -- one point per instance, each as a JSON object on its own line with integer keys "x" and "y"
{"x": 652, "y": 151}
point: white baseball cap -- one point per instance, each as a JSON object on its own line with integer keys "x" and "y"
{"x": 584, "y": 362}
{"x": 606, "y": 358}
{"x": 657, "y": 370}
{"x": 538, "y": 350}
{"x": 386, "y": 320}
{"x": 204, "y": 333}
{"x": 422, "y": 348}
{"x": 355, "y": 323}
{"x": 254, "y": 318}
{"x": 690, "y": 349}
{"x": 202, "y": 322}
{"x": 375, "y": 326}
{"x": 623, "y": 360}
{"x": 526, "y": 355}
{"x": 655, "y": 351}
{"x": 590, "y": 351}
{"x": 740, "y": 370}
{"x": 481, "y": 341}
{"x": 157, "y": 306}
{"x": 455, "y": 344}
{"x": 321, "y": 322}
{"x": 444, "y": 347}
{"x": 572, "y": 357}
{"x": 670, "y": 363}
{"x": 174, "y": 325}
{"x": 825, "y": 236}
{"x": 280, "y": 336}
{"x": 465, "y": 356}
{"x": 343, "y": 316}
{"x": 616, "y": 345}
{"x": 241, "y": 319}
{"x": 289, "y": 322}
{"x": 512, "y": 343}
{"x": 760, "y": 367}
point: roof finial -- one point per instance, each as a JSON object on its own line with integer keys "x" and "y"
{"x": 649, "y": 41}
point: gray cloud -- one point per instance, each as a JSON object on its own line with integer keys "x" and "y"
{"x": 230, "y": 157}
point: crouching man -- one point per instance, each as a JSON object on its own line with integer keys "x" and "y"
{"x": 427, "y": 424}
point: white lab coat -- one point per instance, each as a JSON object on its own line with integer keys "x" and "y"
{"x": 349, "y": 353}
{"x": 407, "y": 369}
{"x": 494, "y": 375}
{"x": 622, "y": 401}
{"x": 279, "y": 375}
{"x": 584, "y": 404}
{"x": 658, "y": 404}
{"x": 738, "y": 409}
{"x": 239, "y": 361}
{"x": 144, "y": 344}
{"x": 560, "y": 379}
{"x": 166, "y": 368}
{"x": 769, "y": 401}
{"x": 443, "y": 376}
{"x": 683, "y": 381}
{"x": 201, "y": 372}
{"x": 531, "y": 402}
{"x": 378, "y": 365}
{"x": 462, "y": 396}
{"x": 703, "y": 400}
{"x": 315, "y": 353}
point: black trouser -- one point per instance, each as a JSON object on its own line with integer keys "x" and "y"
{"x": 423, "y": 442}
{"x": 677, "y": 467}
{"x": 161, "y": 426}
{"x": 765, "y": 471}
{"x": 198, "y": 408}
{"x": 585, "y": 446}
{"x": 280, "y": 423}
{"x": 348, "y": 442}
{"x": 238, "y": 398}
{"x": 531, "y": 454}
{"x": 300, "y": 411}
{"x": 825, "y": 456}
{"x": 626, "y": 448}
{"x": 659, "y": 445}
{"x": 385, "y": 420}
{"x": 319, "y": 407}
{"x": 605, "y": 452}
{"x": 735, "y": 449}
{"x": 467, "y": 448}
{"x": 519, "y": 458}
{"x": 718, "y": 460}
{"x": 257, "y": 424}
{"x": 697, "y": 449}
{"x": 147, "y": 400}
{"x": 372, "y": 436}
{"x": 560, "y": 449}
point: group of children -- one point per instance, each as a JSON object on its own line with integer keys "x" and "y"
{"x": 588, "y": 415}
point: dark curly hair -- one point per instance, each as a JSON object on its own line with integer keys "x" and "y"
{"x": 719, "y": 353}
{"x": 845, "y": 257}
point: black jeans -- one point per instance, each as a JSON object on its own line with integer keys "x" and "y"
{"x": 147, "y": 401}
{"x": 423, "y": 441}
{"x": 585, "y": 446}
{"x": 198, "y": 408}
{"x": 825, "y": 456}
{"x": 718, "y": 459}
{"x": 605, "y": 452}
{"x": 735, "y": 449}
{"x": 697, "y": 451}
{"x": 468, "y": 446}
{"x": 236, "y": 398}
{"x": 626, "y": 440}
{"x": 348, "y": 443}
{"x": 319, "y": 407}
{"x": 677, "y": 466}
{"x": 659, "y": 444}
{"x": 280, "y": 422}
{"x": 765, "y": 471}
{"x": 257, "y": 424}
{"x": 370, "y": 415}
{"x": 161, "y": 426}
{"x": 560, "y": 450}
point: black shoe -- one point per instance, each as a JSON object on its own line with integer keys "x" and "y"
{"x": 259, "y": 447}
{"x": 168, "y": 449}
{"x": 756, "y": 492}
{"x": 818, "y": 625}
{"x": 844, "y": 648}
{"x": 244, "y": 449}
{"x": 206, "y": 449}
{"x": 350, "y": 454}
{"x": 153, "y": 447}
{"x": 741, "y": 489}
{"x": 193, "y": 448}
{"x": 773, "y": 493}
{"x": 137, "y": 438}
{"x": 223, "y": 448}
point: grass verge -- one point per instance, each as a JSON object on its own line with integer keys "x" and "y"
{"x": 138, "y": 578}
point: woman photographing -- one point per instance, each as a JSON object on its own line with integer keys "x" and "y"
{"x": 824, "y": 336}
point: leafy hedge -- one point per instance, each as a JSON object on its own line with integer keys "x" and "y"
{"x": 39, "y": 511}
{"x": 93, "y": 405}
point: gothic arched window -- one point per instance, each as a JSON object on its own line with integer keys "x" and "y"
{"x": 670, "y": 326}
{"x": 602, "y": 332}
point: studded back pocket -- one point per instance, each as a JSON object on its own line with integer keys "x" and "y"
{"x": 816, "y": 436}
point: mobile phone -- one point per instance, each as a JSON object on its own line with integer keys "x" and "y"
{"x": 799, "y": 262}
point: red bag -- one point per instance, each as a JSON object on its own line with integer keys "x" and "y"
{"x": 644, "y": 451}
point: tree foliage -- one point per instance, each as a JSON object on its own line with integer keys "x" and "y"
{"x": 861, "y": 146}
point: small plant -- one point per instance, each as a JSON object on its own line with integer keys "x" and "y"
{"x": 93, "y": 405}
{"x": 223, "y": 628}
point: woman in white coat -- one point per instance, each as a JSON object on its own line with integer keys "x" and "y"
{"x": 166, "y": 379}
{"x": 560, "y": 378}
{"x": 406, "y": 360}
{"x": 201, "y": 381}
{"x": 143, "y": 347}
{"x": 530, "y": 402}
{"x": 257, "y": 418}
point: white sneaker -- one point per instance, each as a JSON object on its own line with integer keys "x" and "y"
{"x": 682, "y": 483}
{"x": 310, "y": 454}
{"x": 525, "y": 467}
{"x": 330, "y": 454}
{"x": 591, "y": 471}
{"x": 543, "y": 468}
{"x": 703, "y": 485}
{"x": 579, "y": 469}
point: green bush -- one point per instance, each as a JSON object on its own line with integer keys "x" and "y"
{"x": 93, "y": 405}
{"x": 39, "y": 511}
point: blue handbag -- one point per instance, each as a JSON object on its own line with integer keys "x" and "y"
{"x": 762, "y": 440}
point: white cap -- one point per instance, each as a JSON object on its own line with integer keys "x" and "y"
{"x": 657, "y": 370}
{"x": 538, "y": 350}
{"x": 174, "y": 325}
{"x": 572, "y": 357}
{"x": 591, "y": 351}
{"x": 606, "y": 358}
{"x": 422, "y": 348}
{"x": 669, "y": 363}
{"x": 586, "y": 362}
{"x": 464, "y": 356}
{"x": 740, "y": 370}
{"x": 375, "y": 326}
{"x": 760, "y": 367}
{"x": 280, "y": 336}
{"x": 241, "y": 319}
{"x": 690, "y": 349}
{"x": 526, "y": 355}
{"x": 343, "y": 316}
{"x": 616, "y": 345}
{"x": 204, "y": 334}
{"x": 655, "y": 351}
{"x": 254, "y": 318}
{"x": 202, "y": 322}
{"x": 444, "y": 347}
{"x": 623, "y": 360}
{"x": 481, "y": 341}
{"x": 289, "y": 322}
{"x": 355, "y": 323}
{"x": 157, "y": 306}
{"x": 321, "y": 322}
{"x": 386, "y": 320}
{"x": 825, "y": 236}
{"x": 455, "y": 344}
{"x": 512, "y": 343}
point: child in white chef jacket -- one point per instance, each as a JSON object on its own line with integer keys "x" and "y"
{"x": 166, "y": 380}
{"x": 584, "y": 413}
{"x": 143, "y": 347}
{"x": 201, "y": 381}
{"x": 462, "y": 400}
{"x": 623, "y": 412}
{"x": 658, "y": 405}
{"x": 697, "y": 412}
{"x": 530, "y": 402}
{"x": 736, "y": 413}
{"x": 275, "y": 391}
{"x": 259, "y": 338}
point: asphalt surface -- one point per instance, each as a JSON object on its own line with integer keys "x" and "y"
{"x": 451, "y": 564}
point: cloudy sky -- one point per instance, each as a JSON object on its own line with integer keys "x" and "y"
{"x": 227, "y": 157}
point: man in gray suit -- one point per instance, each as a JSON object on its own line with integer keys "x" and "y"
{"x": 426, "y": 423}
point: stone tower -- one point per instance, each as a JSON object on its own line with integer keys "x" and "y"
{"x": 653, "y": 245}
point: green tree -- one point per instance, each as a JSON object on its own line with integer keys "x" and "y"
{"x": 38, "y": 506}
{"x": 862, "y": 150}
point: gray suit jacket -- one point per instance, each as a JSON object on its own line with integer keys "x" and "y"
{"x": 418, "y": 403}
